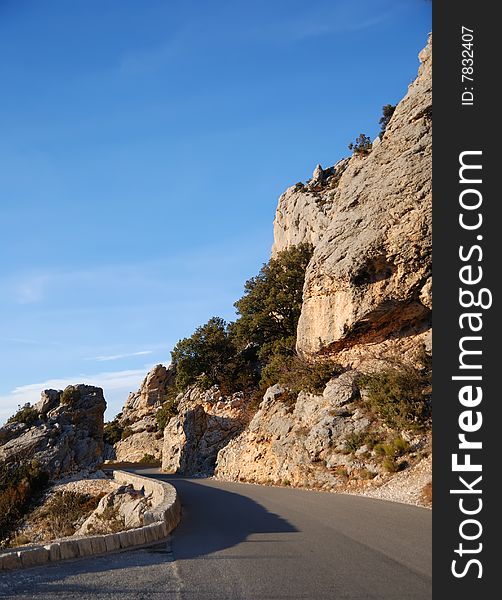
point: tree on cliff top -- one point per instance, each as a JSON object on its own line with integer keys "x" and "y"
{"x": 272, "y": 302}
{"x": 202, "y": 357}
{"x": 226, "y": 355}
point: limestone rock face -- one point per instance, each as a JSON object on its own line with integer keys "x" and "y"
{"x": 302, "y": 446}
{"x": 138, "y": 416}
{"x": 66, "y": 438}
{"x": 369, "y": 277}
{"x": 304, "y": 211}
{"x": 205, "y": 423}
{"x": 150, "y": 395}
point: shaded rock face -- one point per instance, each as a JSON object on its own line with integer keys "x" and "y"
{"x": 370, "y": 276}
{"x": 138, "y": 415}
{"x": 67, "y": 437}
{"x": 206, "y": 423}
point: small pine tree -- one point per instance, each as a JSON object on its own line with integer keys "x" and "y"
{"x": 387, "y": 112}
{"x": 362, "y": 145}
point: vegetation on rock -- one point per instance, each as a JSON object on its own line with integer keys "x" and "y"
{"x": 26, "y": 414}
{"x": 399, "y": 395}
{"x": 387, "y": 112}
{"x": 361, "y": 146}
{"x": 112, "y": 432}
{"x": 20, "y": 484}
{"x": 235, "y": 356}
{"x": 70, "y": 395}
{"x": 168, "y": 410}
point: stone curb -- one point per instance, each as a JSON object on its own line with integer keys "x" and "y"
{"x": 159, "y": 522}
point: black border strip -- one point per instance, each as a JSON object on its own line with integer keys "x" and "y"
{"x": 466, "y": 120}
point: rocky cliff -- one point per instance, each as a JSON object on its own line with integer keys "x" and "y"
{"x": 137, "y": 422}
{"x": 366, "y": 305}
{"x": 366, "y": 301}
{"x": 63, "y": 432}
{"x": 370, "y": 277}
{"x": 205, "y": 423}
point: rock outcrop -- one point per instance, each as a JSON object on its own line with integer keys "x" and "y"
{"x": 304, "y": 210}
{"x": 366, "y": 300}
{"x": 205, "y": 423}
{"x": 120, "y": 509}
{"x": 64, "y": 433}
{"x": 138, "y": 417}
{"x": 307, "y": 446}
{"x": 370, "y": 276}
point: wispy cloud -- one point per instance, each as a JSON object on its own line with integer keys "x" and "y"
{"x": 116, "y": 386}
{"x": 31, "y": 289}
{"x": 16, "y": 340}
{"x": 104, "y": 358}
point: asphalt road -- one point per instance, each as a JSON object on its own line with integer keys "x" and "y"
{"x": 239, "y": 541}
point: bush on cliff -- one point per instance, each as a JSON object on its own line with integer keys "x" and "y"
{"x": 399, "y": 395}
{"x": 168, "y": 410}
{"x": 362, "y": 145}
{"x": 387, "y": 112}
{"x": 70, "y": 395}
{"x": 20, "y": 484}
{"x": 26, "y": 414}
{"x": 233, "y": 356}
{"x": 297, "y": 374}
{"x": 272, "y": 302}
{"x": 203, "y": 357}
{"x": 112, "y": 432}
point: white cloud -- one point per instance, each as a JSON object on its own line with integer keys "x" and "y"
{"x": 118, "y": 356}
{"x": 116, "y": 386}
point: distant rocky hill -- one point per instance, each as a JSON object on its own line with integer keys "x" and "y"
{"x": 63, "y": 432}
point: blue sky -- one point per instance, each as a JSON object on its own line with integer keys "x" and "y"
{"x": 144, "y": 146}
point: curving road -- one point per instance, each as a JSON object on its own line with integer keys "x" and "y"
{"x": 239, "y": 541}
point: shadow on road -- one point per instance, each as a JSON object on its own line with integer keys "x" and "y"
{"x": 214, "y": 519}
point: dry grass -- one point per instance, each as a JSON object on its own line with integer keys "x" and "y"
{"x": 427, "y": 493}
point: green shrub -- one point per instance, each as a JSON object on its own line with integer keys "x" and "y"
{"x": 371, "y": 439}
{"x": 271, "y": 305}
{"x": 203, "y": 357}
{"x": 365, "y": 473}
{"x": 362, "y": 145}
{"x": 400, "y": 446}
{"x": 398, "y": 396}
{"x": 341, "y": 473}
{"x": 394, "y": 449}
{"x": 127, "y": 431}
{"x": 26, "y": 414}
{"x": 112, "y": 432}
{"x": 353, "y": 442}
{"x": 148, "y": 458}
{"x": 70, "y": 395}
{"x": 390, "y": 465}
{"x": 387, "y": 112}
{"x": 168, "y": 410}
{"x": 287, "y": 368}
{"x": 233, "y": 356}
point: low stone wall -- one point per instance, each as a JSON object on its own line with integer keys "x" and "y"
{"x": 159, "y": 522}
